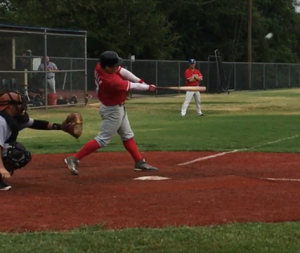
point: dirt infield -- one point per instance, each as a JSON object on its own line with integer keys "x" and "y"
{"x": 230, "y": 188}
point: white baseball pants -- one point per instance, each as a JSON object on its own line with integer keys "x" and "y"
{"x": 114, "y": 120}
{"x": 51, "y": 85}
{"x": 188, "y": 97}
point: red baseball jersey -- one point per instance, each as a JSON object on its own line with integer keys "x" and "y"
{"x": 112, "y": 88}
{"x": 190, "y": 73}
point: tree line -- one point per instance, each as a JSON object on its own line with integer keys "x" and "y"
{"x": 170, "y": 29}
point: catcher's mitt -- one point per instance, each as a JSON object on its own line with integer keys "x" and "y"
{"x": 73, "y": 124}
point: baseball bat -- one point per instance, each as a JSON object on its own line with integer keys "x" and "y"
{"x": 184, "y": 88}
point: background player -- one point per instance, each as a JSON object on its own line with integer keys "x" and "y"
{"x": 113, "y": 82}
{"x": 192, "y": 78}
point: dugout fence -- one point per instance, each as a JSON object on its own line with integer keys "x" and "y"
{"x": 22, "y": 51}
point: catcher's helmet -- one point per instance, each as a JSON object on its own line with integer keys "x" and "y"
{"x": 110, "y": 59}
{"x": 12, "y": 98}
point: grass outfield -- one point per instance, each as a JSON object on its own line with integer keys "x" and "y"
{"x": 235, "y": 121}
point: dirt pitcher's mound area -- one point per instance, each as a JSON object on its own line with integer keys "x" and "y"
{"x": 229, "y": 188}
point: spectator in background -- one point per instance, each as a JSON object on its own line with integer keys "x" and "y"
{"x": 22, "y": 62}
{"x": 51, "y": 68}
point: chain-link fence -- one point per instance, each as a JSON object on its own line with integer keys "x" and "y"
{"x": 232, "y": 75}
{"x": 24, "y": 53}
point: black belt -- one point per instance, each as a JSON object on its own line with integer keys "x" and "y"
{"x": 50, "y": 77}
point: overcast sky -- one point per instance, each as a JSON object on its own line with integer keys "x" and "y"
{"x": 298, "y": 8}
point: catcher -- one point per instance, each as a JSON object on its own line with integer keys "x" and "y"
{"x": 13, "y": 118}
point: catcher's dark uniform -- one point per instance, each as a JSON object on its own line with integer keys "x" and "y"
{"x": 14, "y": 154}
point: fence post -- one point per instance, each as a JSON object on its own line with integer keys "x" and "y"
{"x": 156, "y": 77}
{"x": 179, "y": 77}
{"x": 45, "y": 68}
{"x": 85, "y": 66}
{"x": 276, "y": 75}
{"x": 250, "y": 75}
{"x": 234, "y": 76}
{"x": 71, "y": 77}
{"x": 264, "y": 75}
{"x": 289, "y": 75}
{"x": 130, "y": 65}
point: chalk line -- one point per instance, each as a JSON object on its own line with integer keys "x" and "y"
{"x": 236, "y": 150}
{"x": 282, "y": 179}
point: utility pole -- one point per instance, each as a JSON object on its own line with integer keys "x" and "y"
{"x": 249, "y": 42}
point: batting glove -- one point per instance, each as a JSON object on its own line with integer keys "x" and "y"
{"x": 152, "y": 87}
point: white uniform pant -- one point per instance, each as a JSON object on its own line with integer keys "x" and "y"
{"x": 114, "y": 120}
{"x": 188, "y": 97}
{"x": 51, "y": 85}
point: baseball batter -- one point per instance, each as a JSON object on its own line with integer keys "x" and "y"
{"x": 52, "y": 68}
{"x": 13, "y": 118}
{"x": 192, "y": 78}
{"x": 113, "y": 82}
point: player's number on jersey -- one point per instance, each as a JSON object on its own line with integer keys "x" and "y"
{"x": 98, "y": 81}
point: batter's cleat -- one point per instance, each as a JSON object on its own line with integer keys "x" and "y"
{"x": 72, "y": 163}
{"x": 143, "y": 166}
{"x": 4, "y": 186}
{"x": 200, "y": 114}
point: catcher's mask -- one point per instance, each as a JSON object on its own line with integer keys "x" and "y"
{"x": 13, "y": 98}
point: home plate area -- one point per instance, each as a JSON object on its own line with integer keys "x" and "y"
{"x": 153, "y": 178}
{"x": 231, "y": 188}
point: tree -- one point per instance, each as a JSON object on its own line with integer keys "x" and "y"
{"x": 108, "y": 28}
{"x": 173, "y": 29}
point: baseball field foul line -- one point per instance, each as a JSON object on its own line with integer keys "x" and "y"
{"x": 236, "y": 150}
{"x": 282, "y": 179}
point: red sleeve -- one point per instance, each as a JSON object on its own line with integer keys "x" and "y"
{"x": 121, "y": 85}
{"x": 199, "y": 73}
{"x": 187, "y": 74}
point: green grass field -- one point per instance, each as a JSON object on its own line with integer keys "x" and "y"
{"x": 235, "y": 121}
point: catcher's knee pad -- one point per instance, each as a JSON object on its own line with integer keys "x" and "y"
{"x": 15, "y": 156}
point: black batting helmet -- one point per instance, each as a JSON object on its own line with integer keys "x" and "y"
{"x": 110, "y": 59}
